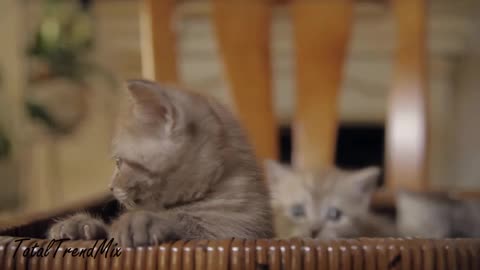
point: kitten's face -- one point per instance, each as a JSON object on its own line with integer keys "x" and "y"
{"x": 155, "y": 139}
{"x": 322, "y": 204}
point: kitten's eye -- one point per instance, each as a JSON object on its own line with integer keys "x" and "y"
{"x": 118, "y": 162}
{"x": 334, "y": 213}
{"x": 298, "y": 210}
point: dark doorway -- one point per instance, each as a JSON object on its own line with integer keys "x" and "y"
{"x": 357, "y": 146}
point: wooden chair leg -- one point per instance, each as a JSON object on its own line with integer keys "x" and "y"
{"x": 321, "y": 32}
{"x": 407, "y": 121}
{"x": 243, "y": 34}
{"x": 158, "y": 43}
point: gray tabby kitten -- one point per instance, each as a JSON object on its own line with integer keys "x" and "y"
{"x": 325, "y": 204}
{"x": 184, "y": 171}
{"x": 429, "y": 215}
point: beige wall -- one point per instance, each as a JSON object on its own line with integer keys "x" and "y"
{"x": 74, "y": 167}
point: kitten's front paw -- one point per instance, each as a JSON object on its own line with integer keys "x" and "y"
{"x": 141, "y": 228}
{"x": 78, "y": 227}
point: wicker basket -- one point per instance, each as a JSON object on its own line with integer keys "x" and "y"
{"x": 355, "y": 254}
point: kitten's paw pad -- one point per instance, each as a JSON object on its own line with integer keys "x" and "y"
{"x": 140, "y": 228}
{"x": 79, "y": 227}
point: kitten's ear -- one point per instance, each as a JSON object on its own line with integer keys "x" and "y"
{"x": 366, "y": 179}
{"x": 275, "y": 172}
{"x": 150, "y": 100}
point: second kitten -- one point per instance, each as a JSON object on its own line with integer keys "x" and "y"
{"x": 325, "y": 204}
{"x": 430, "y": 215}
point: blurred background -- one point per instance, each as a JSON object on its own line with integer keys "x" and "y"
{"x": 62, "y": 64}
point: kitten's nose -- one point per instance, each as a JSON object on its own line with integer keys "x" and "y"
{"x": 314, "y": 233}
{"x": 110, "y": 187}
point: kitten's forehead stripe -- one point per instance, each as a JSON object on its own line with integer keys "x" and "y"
{"x": 324, "y": 183}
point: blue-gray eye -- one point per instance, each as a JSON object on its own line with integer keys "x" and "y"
{"x": 334, "y": 213}
{"x": 298, "y": 210}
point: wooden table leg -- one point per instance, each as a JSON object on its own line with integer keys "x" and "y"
{"x": 158, "y": 41}
{"x": 321, "y": 32}
{"x": 407, "y": 119}
{"x": 243, "y": 34}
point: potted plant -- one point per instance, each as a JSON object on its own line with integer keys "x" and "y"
{"x": 60, "y": 67}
